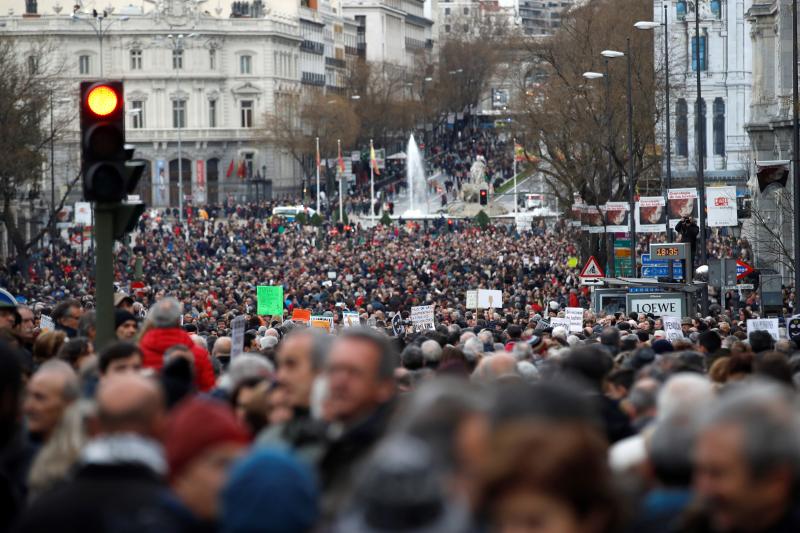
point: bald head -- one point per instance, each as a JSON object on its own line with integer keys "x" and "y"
{"x": 494, "y": 367}
{"x": 222, "y": 347}
{"x": 130, "y": 403}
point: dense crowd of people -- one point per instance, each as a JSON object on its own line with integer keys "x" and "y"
{"x": 487, "y": 423}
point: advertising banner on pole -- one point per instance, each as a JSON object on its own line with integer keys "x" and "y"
{"x": 200, "y": 182}
{"x": 161, "y": 181}
{"x": 617, "y": 217}
{"x": 651, "y": 214}
{"x": 721, "y": 203}
{"x": 681, "y": 203}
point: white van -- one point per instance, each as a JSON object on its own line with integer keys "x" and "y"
{"x": 289, "y": 212}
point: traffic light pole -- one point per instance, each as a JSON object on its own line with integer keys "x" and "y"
{"x": 104, "y": 272}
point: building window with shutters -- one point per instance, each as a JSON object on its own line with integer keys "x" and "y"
{"x": 179, "y": 113}
{"x": 212, "y": 113}
{"x": 136, "y": 60}
{"x": 245, "y": 64}
{"x": 681, "y": 128}
{"x": 137, "y": 114}
{"x": 719, "y": 126}
{"x": 84, "y": 66}
{"x": 177, "y": 59}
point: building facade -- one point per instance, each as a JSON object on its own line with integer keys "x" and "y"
{"x": 725, "y": 71}
{"x": 542, "y": 17}
{"x": 198, "y": 88}
{"x": 770, "y": 130}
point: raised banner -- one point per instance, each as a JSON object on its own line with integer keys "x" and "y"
{"x": 651, "y": 215}
{"x": 422, "y": 317}
{"x": 351, "y": 319}
{"x": 270, "y": 299}
{"x": 237, "y": 335}
{"x": 575, "y": 317}
{"x": 490, "y": 299}
{"x": 617, "y": 217}
{"x": 672, "y": 327}
{"x": 322, "y": 322}
{"x": 770, "y": 325}
{"x": 681, "y": 203}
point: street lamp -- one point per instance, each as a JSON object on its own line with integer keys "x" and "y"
{"x": 177, "y": 42}
{"x": 609, "y": 170}
{"x": 612, "y": 54}
{"x": 650, "y": 25}
{"x": 96, "y": 23}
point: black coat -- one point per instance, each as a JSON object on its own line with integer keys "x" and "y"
{"x": 116, "y": 498}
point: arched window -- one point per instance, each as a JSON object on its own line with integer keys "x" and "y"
{"x": 682, "y": 128}
{"x": 719, "y": 126}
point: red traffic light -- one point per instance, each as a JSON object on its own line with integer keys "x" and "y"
{"x": 103, "y": 100}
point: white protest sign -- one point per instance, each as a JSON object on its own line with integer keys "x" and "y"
{"x": 322, "y": 322}
{"x": 472, "y": 299}
{"x": 351, "y": 319}
{"x": 490, "y": 299}
{"x": 672, "y": 327}
{"x": 575, "y": 317}
{"x": 770, "y": 325}
{"x": 83, "y": 213}
{"x": 237, "y": 336}
{"x": 46, "y": 324}
{"x": 422, "y": 317}
{"x": 331, "y": 275}
{"x": 559, "y": 322}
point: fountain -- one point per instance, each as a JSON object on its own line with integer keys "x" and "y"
{"x": 417, "y": 182}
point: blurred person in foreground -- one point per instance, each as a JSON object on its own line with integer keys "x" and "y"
{"x": 119, "y": 483}
{"x": 361, "y": 390}
{"x": 747, "y": 463}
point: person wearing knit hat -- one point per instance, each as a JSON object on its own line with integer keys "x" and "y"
{"x": 125, "y": 325}
{"x": 269, "y": 491}
{"x": 202, "y": 441}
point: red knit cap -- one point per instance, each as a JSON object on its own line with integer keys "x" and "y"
{"x": 196, "y": 425}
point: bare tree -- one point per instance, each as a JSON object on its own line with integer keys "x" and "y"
{"x": 30, "y": 74}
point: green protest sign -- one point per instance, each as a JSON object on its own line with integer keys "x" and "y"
{"x": 270, "y": 299}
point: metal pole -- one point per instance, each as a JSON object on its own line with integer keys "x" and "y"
{"x": 341, "y": 193}
{"x": 515, "y": 179}
{"x": 700, "y": 138}
{"x": 796, "y": 159}
{"x": 317, "y": 161}
{"x": 100, "y": 35}
{"x": 178, "y": 46}
{"x": 666, "y": 102}
{"x": 609, "y": 178}
{"x": 631, "y": 178}
{"x": 104, "y": 274}
{"x": 52, "y": 181}
{"x": 371, "y": 183}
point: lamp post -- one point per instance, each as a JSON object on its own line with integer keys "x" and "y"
{"x": 177, "y": 46}
{"x": 96, "y": 23}
{"x": 796, "y": 159}
{"x": 650, "y": 25}
{"x": 611, "y": 54}
{"x": 609, "y": 185}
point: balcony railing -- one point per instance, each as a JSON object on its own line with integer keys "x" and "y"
{"x": 333, "y": 62}
{"x": 312, "y": 46}
{"x": 312, "y": 78}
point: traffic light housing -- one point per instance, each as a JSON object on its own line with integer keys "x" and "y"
{"x": 484, "y": 197}
{"x": 109, "y": 174}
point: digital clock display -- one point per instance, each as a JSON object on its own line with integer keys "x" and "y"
{"x": 668, "y": 252}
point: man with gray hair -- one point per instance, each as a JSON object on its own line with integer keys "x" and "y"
{"x": 361, "y": 389}
{"x": 432, "y": 353}
{"x": 50, "y": 391}
{"x": 164, "y": 333}
{"x": 747, "y": 462}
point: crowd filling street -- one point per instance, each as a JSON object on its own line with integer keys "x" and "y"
{"x": 497, "y": 419}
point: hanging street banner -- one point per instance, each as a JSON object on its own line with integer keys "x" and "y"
{"x": 651, "y": 214}
{"x": 617, "y": 217}
{"x": 721, "y": 203}
{"x": 681, "y": 203}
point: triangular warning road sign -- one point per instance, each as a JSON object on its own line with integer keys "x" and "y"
{"x": 592, "y": 269}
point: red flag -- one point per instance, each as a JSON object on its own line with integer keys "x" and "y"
{"x": 241, "y": 170}
{"x": 341, "y": 161}
{"x": 230, "y": 170}
{"x": 317, "y": 154}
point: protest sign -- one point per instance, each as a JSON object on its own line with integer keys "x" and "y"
{"x": 237, "y": 335}
{"x": 672, "y": 327}
{"x": 770, "y": 325}
{"x": 559, "y": 322}
{"x": 46, "y": 324}
{"x": 270, "y": 299}
{"x": 472, "y": 299}
{"x": 351, "y": 319}
{"x": 575, "y": 317}
{"x": 490, "y": 299}
{"x": 301, "y": 315}
{"x": 322, "y": 322}
{"x": 422, "y": 317}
